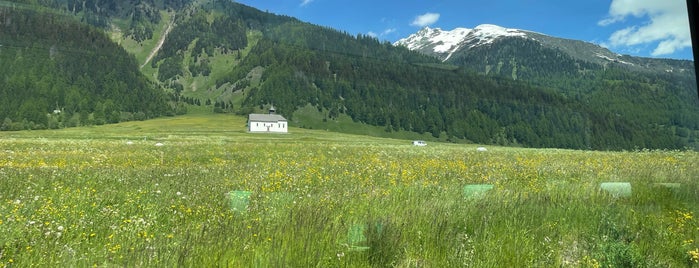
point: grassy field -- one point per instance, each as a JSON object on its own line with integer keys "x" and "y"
{"x": 214, "y": 195}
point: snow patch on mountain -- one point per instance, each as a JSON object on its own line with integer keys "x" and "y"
{"x": 445, "y": 43}
{"x": 614, "y": 60}
{"x": 450, "y": 39}
{"x": 487, "y": 33}
{"x": 437, "y": 40}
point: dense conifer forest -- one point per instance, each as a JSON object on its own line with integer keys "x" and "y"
{"x": 57, "y": 72}
{"x": 539, "y": 98}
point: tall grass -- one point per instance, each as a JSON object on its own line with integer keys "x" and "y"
{"x": 84, "y": 197}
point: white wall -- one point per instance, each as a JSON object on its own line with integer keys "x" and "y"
{"x": 279, "y": 127}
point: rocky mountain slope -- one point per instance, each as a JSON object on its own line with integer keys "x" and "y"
{"x": 452, "y": 46}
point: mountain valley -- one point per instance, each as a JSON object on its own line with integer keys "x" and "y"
{"x": 488, "y": 85}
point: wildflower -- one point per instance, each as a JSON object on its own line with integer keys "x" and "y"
{"x": 694, "y": 255}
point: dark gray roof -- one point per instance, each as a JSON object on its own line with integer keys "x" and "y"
{"x": 266, "y": 118}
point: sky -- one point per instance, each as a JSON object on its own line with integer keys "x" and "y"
{"x": 647, "y": 28}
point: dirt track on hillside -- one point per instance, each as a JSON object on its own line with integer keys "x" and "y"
{"x": 160, "y": 43}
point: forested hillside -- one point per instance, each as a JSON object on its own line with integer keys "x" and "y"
{"x": 241, "y": 60}
{"x": 141, "y": 15}
{"x": 379, "y": 84}
{"x": 651, "y": 93}
{"x": 59, "y": 72}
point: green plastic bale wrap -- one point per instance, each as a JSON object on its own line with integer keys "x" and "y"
{"x": 357, "y": 235}
{"x": 617, "y": 189}
{"x": 239, "y": 200}
{"x": 474, "y": 191}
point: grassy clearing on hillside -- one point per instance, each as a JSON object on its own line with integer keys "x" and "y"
{"x": 309, "y": 117}
{"x": 204, "y": 87}
{"x": 143, "y": 49}
{"x": 108, "y": 196}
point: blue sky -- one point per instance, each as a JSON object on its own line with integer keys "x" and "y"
{"x": 648, "y": 28}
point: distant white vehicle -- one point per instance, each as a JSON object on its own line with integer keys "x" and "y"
{"x": 419, "y": 143}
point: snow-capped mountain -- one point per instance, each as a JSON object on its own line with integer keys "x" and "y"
{"x": 504, "y": 45}
{"x": 435, "y": 41}
{"x": 443, "y": 43}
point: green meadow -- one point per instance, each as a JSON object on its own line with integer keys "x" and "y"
{"x": 214, "y": 195}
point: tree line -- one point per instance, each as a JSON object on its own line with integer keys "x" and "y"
{"x": 382, "y": 85}
{"x": 60, "y": 72}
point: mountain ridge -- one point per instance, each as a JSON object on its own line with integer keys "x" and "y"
{"x": 447, "y": 42}
{"x": 509, "y": 91}
{"x": 459, "y": 40}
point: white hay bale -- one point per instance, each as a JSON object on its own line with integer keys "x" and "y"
{"x": 129, "y": 143}
{"x": 159, "y": 144}
{"x": 481, "y": 149}
{"x": 617, "y": 189}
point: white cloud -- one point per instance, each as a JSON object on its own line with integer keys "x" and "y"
{"x": 306, "y": 2}
{"x": 425, "y": 19}
{"x": 666, "y": 25}
{"x": 384, "y": 33}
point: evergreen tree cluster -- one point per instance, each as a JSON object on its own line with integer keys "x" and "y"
{"x": 223, "y": 107}
{"x": 659, "y": 105}
{"x": 59, "y": 72}
{"x": 225, "y": 32}
{"x": 569, "y": 105}
{"x": 399, "y": 96}
{"x": 511, "y": 92}
{"x": 142, "y": 15}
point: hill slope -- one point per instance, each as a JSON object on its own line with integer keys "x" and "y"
{"x": 53, "y": 64}
{"x": 655, "y": 93}
{"x": 240, "y": 59}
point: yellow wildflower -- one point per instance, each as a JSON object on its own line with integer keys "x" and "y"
{"x": 694, "y": 255}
